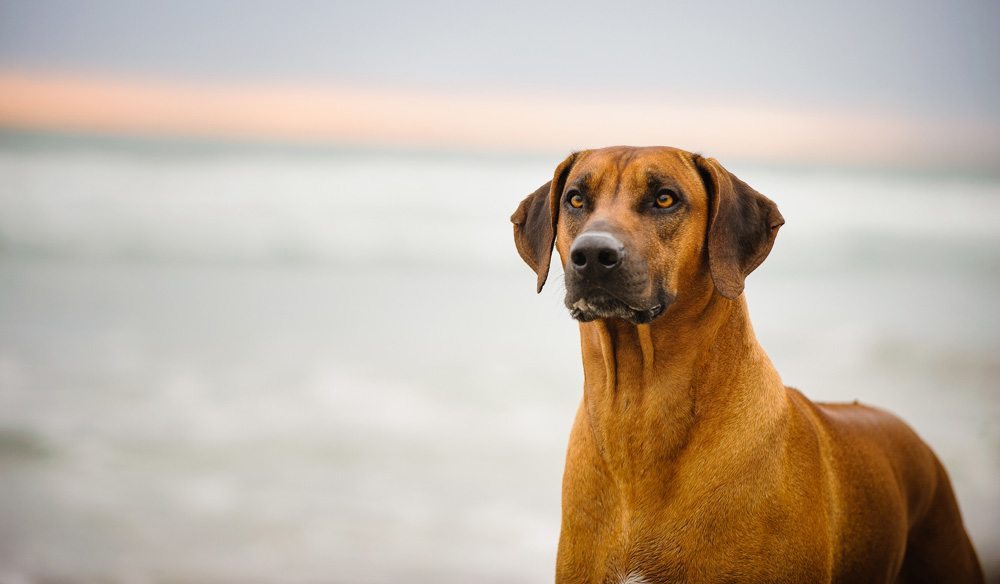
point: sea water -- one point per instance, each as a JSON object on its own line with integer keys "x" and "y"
{"x": 230, "y": 364}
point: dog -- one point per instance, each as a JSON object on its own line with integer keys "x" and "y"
{"x": 689, "y": 461}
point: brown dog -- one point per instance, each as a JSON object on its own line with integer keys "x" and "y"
{"x": 689, "y": 461}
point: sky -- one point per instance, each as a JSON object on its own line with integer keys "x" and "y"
{"x": 932, "y": 65}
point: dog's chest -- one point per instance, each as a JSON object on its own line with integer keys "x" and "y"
{"x": 634, "y": 578}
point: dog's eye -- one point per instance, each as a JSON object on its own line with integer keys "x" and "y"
{"x": 576, "y": 200}
{"x": 665, "y": 199}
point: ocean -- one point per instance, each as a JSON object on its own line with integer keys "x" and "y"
{"x": 222, "y": 363}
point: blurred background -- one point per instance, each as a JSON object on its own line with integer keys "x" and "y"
{"x": 262, "y": 319}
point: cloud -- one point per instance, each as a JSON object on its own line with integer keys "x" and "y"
{"x": 511, "y": 121}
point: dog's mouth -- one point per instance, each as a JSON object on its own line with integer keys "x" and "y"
{"x": 603, "y": 304}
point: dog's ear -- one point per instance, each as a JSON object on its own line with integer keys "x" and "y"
{"x": 535, "y": 222}
{"x": 742, "y": 226}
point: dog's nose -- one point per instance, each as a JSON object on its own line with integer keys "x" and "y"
{"x": 596, "y": 253}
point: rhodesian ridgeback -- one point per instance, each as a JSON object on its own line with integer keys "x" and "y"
{"x": 689, "y": 460}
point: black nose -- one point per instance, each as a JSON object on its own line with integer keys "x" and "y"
{"x": 596, "y": 254}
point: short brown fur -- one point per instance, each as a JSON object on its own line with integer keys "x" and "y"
{"x": 689, "y": 460}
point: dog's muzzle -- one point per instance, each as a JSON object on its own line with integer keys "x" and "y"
{"x": 602, "y": 283}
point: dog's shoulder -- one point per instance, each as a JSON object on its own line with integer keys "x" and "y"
{"x": 862, "y": 434}
{"x": 868, "y": 421}
{"x": 852, "y": 416}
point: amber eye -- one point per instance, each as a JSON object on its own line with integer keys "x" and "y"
{"x": 576, "y": 200}
{"x": 665, "y": 200}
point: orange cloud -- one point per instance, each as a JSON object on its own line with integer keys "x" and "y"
{"x": 495, "y": 121}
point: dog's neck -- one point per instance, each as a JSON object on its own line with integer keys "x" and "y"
{"x": 652, "y": 391}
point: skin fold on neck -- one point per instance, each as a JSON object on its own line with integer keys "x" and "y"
{"x": 677, "y": 382}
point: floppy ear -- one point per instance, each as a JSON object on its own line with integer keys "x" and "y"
{"x": 535, "y": 222}
{"x": 742, "y": 226}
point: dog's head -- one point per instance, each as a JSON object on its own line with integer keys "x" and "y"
{"x": 638, "y": 228}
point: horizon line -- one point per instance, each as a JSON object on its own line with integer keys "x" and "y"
{"x": 515, "y": 122}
